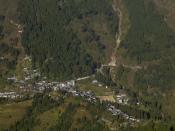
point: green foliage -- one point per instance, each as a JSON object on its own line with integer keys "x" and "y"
{"x": 105, "y": 77}
{"x": 67, "y": 118}
{"x": 152, "y": 126}
{"x": 161, "y": 75}
{"x": 149, "y": 39}
{"x": 121, "y": 74}
{"x": 89, "y": 126}
{"x": 8, "y": 60}
{"x": 65, "y": 121}
{"x": 1, "y": 25}
{"x": 41, "y": 103}
{"x": 50, "y": 40}
{"x": 8, "y": 51}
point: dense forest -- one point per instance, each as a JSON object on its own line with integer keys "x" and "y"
{"x": 9, "y": 52}
{"x": 151, "y": 43}
{"x": 63, "y": 36}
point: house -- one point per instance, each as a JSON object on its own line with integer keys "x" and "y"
{"x": 1, "y": 58}
{"x": 122, "y": 98}
{"x": 12, "y": 78}
{"x": 55, "y": 88}
{"x": 100, "y": 85}
{"x": 27, "y": 78}
{"x": 62, "y": 85}
{"x": 94, "y": 82}
{"x": 71, "y": 83}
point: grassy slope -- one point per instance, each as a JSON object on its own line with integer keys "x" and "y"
{"x": 47, "y": 119}
{"x": 87, "y": 85}
{"x": 11, "y": 113}
{"x": 83, "y": 110}
{"x": 8, "y": 8}
{"x": 158, "y": 126}
{"x": 169, "y": 103}
{"x": 167, "y": 8}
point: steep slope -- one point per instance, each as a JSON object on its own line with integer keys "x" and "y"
{"x": 64, "y": 113}
{"x": 68, "y": 39}
{"x": 149, "y": 44}
{"x": 145, "y": 58}
{"x": 11, "y": 50}
{"x": 167, "y": 8}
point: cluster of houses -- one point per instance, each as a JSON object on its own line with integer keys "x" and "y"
{"x": 116, "y": 112}
{"x": 88, "y": 95}
{"x": 122, "y": 98}
{"x": 2, "y": 58}
{"x": 11, "y": 95}
{"x": 98, "y": 83}
{"x": 19, "y": 27}
{"x": 29, "y": 74}
{"x": 15, "y": 80}
{"x": 56, "y": 86}
{"x": 69, "y": 87}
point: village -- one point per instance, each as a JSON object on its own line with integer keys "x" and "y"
{"x": 68, "y": 87}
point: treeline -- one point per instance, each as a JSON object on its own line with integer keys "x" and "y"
{"x": 51, "y": 40}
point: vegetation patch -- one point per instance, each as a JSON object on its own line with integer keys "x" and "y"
{"x": 150, "y": 44}
{"x": 60, "y": 37}
{"x": 13, "y": 112}
{"x": 98, "y": 89}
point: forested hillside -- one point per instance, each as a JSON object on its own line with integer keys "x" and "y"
{"x": 150, "y": 44}
{"x": 87, "y": 65}
{"x": 68, "y": 38}
{"x": 145, "y": 59}
{"x": 11, "y": 50}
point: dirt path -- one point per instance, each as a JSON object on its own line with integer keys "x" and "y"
{"x": 118, "y": 34}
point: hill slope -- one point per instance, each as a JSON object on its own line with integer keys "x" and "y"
{"x": 68, "y": 38}
{"x": 149, "y": 44}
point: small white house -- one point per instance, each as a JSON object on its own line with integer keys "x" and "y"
{"x": 94, "y": 82}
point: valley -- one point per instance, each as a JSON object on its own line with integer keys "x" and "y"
{"x": 94, "y": 65}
